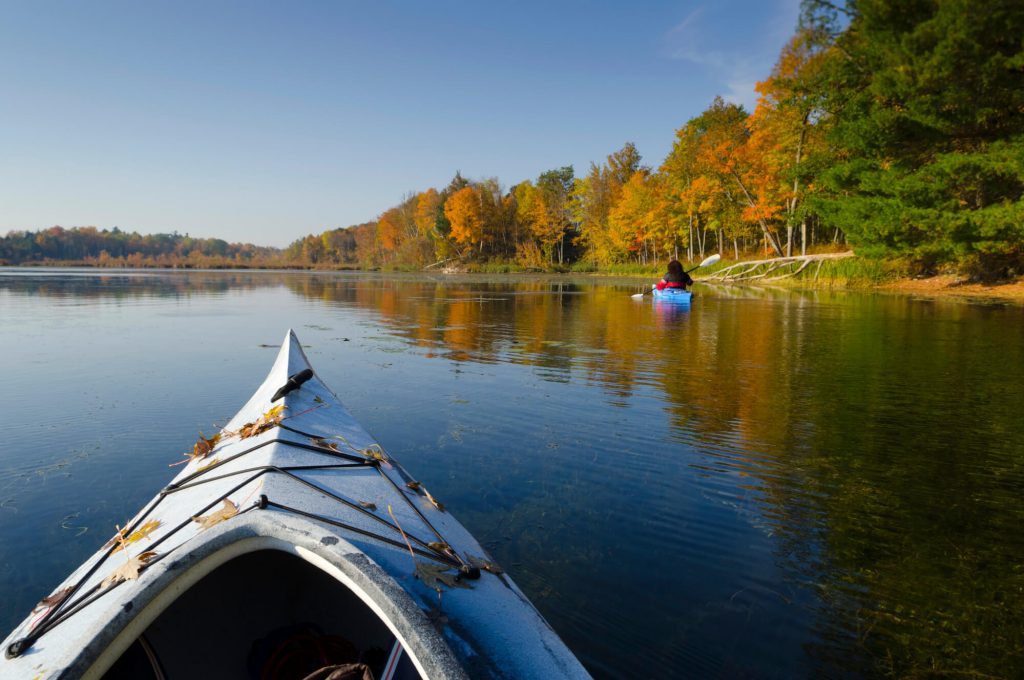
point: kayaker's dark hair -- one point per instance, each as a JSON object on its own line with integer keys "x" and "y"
{"x": 674, "y": 267}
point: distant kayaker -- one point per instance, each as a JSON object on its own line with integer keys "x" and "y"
{"x": 675, "y": 277}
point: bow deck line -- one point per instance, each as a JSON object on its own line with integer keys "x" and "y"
{"x": 290, "y": 541}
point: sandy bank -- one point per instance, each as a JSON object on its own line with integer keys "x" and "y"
{"x": 953, "y": 286}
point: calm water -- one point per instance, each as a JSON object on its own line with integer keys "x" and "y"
{"x": 771, "y": 485}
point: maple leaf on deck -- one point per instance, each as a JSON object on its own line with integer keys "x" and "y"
{"x": 129, "y": 571}
{"x": 227, "y": 511}
{"x": 204, "y": 446}
{"x": 271, "y": 418}
{"x": 435, "y": 576}
{"x": 142, "y": 532}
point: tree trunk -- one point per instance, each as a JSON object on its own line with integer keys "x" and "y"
{"x": 803, "y": 237}
{"x": 768, "y": 237}
{"x": 689, "y": 234}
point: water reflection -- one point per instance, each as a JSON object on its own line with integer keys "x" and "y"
{"x": 872, "y": 440}
{"x": 765, "y": 484}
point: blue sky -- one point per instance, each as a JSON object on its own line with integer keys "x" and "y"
{"x": 264, "y": 122}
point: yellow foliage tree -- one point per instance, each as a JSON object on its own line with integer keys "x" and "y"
{"x": 425, "y": 216}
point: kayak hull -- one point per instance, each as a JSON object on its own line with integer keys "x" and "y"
{"x": 291, "y": 477}
{"x": 673, "y": 295}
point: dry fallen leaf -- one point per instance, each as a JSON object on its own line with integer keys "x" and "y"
{"x": 442, "y": 548}
{"x": 481, "y": 563}
{"x": 119, "y": 536}
{"x": 207, "y": 465}
{"x": 270, "y": 419}
{"x": 323, "y": 443}
{"x": 374, "y": 453}
{"x": 437, "y": 618}
{"x": 204, "y": 446}
{"x": 368, "y": 505}
{"x": 227, "y": 511}
{"x": 142, "y": 532}
{"x": 53, "y": 600}
{"x": 129, "y": 571}
{"x": 435, "y": 576}
{"x": 437, "y": 504}
{"x": 415, "y": 486}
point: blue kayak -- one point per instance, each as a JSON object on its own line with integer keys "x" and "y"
{"x": 676, "y": 295}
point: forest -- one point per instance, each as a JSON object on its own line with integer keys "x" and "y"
{"x": 892, "y": 127}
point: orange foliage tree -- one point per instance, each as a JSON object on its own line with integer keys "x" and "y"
{"x": 464, "y": 212}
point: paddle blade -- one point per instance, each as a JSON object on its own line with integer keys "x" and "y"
{"x": 711, "y": 260}
{"x": 638, "y": 296}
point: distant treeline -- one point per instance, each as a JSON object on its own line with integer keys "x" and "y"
{"x": 891, "y": 126}
{"x": 113, "y": 247}
{"x": 895, "y": 127}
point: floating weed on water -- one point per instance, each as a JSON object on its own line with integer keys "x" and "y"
{"x": 65, "y": 524}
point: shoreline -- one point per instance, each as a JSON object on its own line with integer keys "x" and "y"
{"x": 952, "y": 286}
{"x": 940, "y": 286}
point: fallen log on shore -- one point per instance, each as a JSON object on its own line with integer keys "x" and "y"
{"x": 773, "y": 269}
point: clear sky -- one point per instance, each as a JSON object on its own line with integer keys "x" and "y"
{"x": 267, "y": 121}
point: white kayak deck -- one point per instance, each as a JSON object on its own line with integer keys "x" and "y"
{"x": 313, "y": 484}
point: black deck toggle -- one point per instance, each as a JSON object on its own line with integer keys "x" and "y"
{"x": 294, "y": 382}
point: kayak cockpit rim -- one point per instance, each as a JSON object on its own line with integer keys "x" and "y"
{"x": 418, "y": 638}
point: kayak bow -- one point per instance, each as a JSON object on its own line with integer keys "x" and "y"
{"x": 289, "y": 541}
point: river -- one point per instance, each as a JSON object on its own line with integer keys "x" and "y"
{"x": 770, "y": 484}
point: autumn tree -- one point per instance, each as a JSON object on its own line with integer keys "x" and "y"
{"x": 788, "y": 126}
{"x": 723, "y": 153}
{"x": 638, "y": 221}
{"x": 929, "y": 132}
{"x": 593, "y": 197}
{"x": 554, "y": 216}
{"x": 464, "y": 212}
